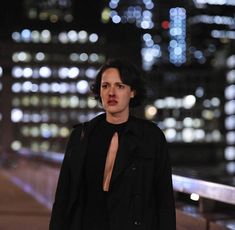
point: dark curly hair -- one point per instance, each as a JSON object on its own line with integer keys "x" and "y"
{"x": 129, "y": 74}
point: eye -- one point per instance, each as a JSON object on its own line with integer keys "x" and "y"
{"x": 104, "y": 86}
{"x": 121, "y": 86}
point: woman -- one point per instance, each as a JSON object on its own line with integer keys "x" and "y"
{"x": 116, "y": 174}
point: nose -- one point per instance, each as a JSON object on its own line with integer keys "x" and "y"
{"x": 111, "y": 91}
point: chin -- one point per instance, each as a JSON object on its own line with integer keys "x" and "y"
{"x": 112, "y": 111}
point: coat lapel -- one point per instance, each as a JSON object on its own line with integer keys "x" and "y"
{"x": 80, "y": 154}
{"x": 129, "y": 143}
{"x": 87, "y": 128}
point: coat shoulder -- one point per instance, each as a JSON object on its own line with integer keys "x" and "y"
{"x": 77, "y": 130}
{"x": 151, "y": 127}
{"x": 79, "y": 126}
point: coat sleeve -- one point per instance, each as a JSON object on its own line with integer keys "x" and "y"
{"x": 165, "y": 202}
{"x": 58, "y": 214}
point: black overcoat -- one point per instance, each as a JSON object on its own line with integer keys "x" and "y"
{"x": 140, "y": 193}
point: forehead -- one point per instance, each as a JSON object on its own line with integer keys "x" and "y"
{"x": 111, "y": 74}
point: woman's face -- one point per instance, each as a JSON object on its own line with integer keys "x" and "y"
{"x": 115, "y": 95}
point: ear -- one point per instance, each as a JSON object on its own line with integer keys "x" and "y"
{"x": 132, "y": 93}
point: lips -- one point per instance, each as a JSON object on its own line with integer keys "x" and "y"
{"x": 112, "y": 102}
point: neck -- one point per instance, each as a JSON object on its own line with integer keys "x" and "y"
{"x": 116, "y": 119}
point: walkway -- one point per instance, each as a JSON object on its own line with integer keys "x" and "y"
{"x": 19, "y": 210}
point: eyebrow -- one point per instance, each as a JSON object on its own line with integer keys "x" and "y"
{"x": 117, "y": 82}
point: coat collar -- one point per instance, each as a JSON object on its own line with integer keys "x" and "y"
{"x": 132, "y": 124}
{"x": 128, "y": 143}
{"x": 128, "y": 148}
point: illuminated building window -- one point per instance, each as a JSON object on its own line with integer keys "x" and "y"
{"x": 151, "y": 51}
{"x": 215, "y": 2}
{"x": 177, "y": 44}
{"x": 51, "y": 89}
{"x": 49, "y": 10}
{"x": 127, "y": 12}
{"x": 229, "y": 109}
{"x": 45, "y": 37}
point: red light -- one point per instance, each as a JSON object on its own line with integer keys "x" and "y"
{"x": 165, "y": 25}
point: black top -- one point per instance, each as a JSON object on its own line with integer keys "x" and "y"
{"x": 95, "y": 211}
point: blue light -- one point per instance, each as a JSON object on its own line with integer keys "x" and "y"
{"x": 177, "y": 44}
{"x": 113, "y": 5}
{"x": 116, "y": 19}
{"x": 26, "y": 35}
{"x": 147, "y": 37}
{"x": 173, "y": 43}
